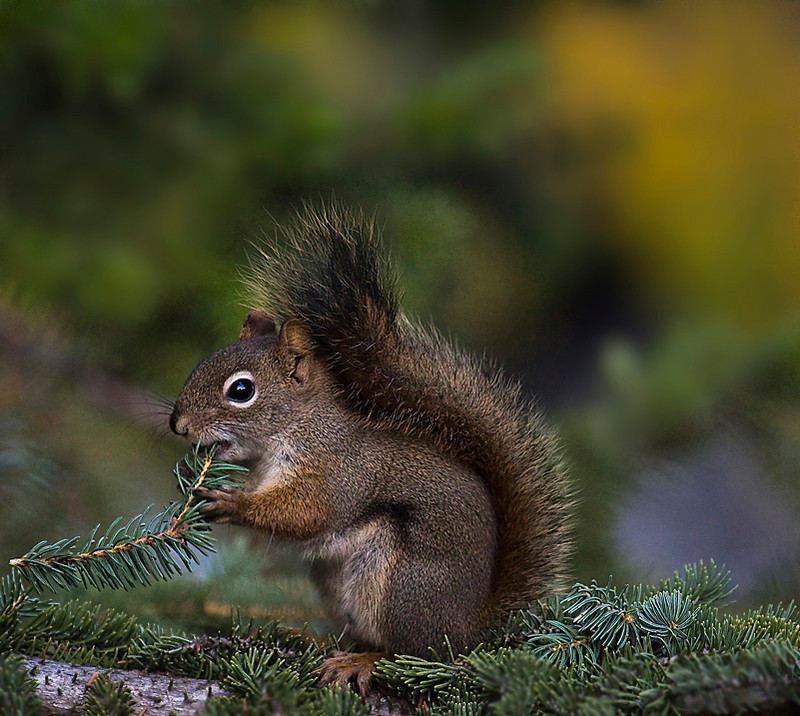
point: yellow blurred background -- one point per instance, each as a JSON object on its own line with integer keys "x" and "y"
{"x": 604, "y": 195}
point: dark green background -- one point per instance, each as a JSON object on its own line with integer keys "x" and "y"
{"x": 603, "y": 196}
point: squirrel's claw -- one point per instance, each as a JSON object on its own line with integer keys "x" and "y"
{"x": 220, "y": 502}
{"x": 342, "y": 667}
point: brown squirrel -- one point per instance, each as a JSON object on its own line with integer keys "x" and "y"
{"x": 424, "y": 489}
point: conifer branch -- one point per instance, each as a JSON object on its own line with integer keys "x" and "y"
{"x": 663, "y": 648}
{"x": 146, "y": 548}
{"x": 568, "y": 655}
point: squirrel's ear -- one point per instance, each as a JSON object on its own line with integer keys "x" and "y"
{"x": 257, "y": 323}
{"x": 294, "y": 338}
{"x": 295, "y": 341}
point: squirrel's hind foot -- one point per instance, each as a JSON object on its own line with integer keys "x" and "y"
{"x": 341, "y": 667}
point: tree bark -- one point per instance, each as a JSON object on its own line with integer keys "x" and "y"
{"x": 62, "y": 686}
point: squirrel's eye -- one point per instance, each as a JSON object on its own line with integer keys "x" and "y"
{"x": 241, "y": 390}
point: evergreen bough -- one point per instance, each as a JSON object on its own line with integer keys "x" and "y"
{"x": 660, "y": 649}
{"x": 148, "y": 547}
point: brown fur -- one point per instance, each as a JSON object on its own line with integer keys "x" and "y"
{"x": 427, "y": 492}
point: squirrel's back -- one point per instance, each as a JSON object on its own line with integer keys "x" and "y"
{"x": 402, "y": 377}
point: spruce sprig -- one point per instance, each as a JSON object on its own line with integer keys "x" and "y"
{"x": 668, "y": 617}
{"x": 602, "y": 611}
{"x": 146, "y": 548}
{"x": 105, "y": 697}
{"x": 17, "y": 688}
{"x": 702, "y": 583}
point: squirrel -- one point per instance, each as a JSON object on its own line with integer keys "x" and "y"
{"x": 425, "y": 490}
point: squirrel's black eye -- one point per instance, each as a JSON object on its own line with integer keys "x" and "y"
{"x": 241, "y": 390}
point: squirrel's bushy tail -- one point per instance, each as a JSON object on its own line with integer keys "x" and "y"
{"x": 332, "y": 275}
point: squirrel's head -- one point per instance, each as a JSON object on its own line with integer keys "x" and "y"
{"x": 246, "y": 393}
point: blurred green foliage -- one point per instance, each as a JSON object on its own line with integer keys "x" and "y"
{"x": 602, "y": 195}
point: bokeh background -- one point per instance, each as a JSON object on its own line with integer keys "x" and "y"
{"x": 603, "y": 195}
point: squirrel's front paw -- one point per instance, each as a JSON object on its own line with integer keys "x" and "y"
{"x": 222, "y": 503}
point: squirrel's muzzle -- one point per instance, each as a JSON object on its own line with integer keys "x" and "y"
{"x": 178, "y": 424}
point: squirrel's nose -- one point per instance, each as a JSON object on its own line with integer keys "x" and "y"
{"x": 178, "y": 424}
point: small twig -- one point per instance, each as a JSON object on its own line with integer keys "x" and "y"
{"x": 207, "y": 460}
